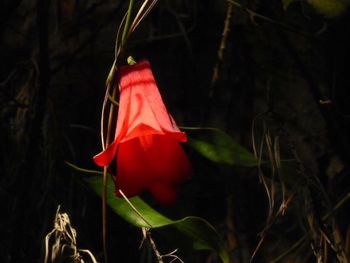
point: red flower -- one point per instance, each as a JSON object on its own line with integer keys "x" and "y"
{"x": 146, "y": 144}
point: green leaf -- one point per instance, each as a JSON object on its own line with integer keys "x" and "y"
{"x": 219, "y": 147}
{"x": 198, "y": 230}
{"x": 330, "y": 8}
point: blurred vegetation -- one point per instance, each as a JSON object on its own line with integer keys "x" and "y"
{"x": 273, "y": 76}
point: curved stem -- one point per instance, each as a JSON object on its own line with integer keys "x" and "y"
{"x": 104, "y": 190}
{"x": 127, "y": 24}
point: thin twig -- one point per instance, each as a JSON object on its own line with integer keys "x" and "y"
{"x": 252, "y": 14}
{"x": 134, "y": 208}
{"x": 222, "y": 47}
{"x": 104, "y": 189}
{"x": 154, "y": 247}
{"x": 82, "y": 169}
{"x": 142, "y": 14}
{"x": 303, "y": 238}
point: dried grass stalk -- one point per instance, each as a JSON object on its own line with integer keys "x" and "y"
{"x": 61, "y": 244}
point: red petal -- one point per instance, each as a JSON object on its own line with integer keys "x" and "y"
{"x": 149, "y": 156}
{"x": 106, "y": 157}
{"x": 145, "y": 103}
{"x": 167, "y": 160}
{"x": 132, "y": 177}
{"x": 164, "y": 193}
{"x": 157, "y": 167}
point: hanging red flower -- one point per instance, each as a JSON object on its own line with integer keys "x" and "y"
{"x": 146, "y": 143}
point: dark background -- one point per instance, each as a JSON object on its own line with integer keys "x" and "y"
{"x": 286, "y": 70}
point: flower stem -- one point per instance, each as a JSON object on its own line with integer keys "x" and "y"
{"x": 104, "y": 190}
{"x": 127, "y": 24}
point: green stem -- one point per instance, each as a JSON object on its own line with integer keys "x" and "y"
{"x": 75, "y": 167}
{"x": 104, "y": 180}
{"x": 127, "y": 24}
{"x": 112, "y": 100}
